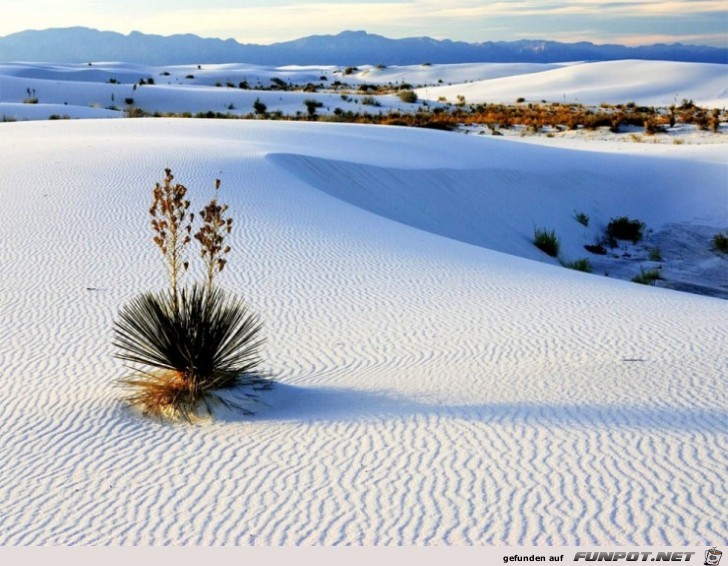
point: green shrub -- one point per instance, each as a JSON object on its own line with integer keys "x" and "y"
{"x": 370, "y": 101}
{"x": 312, "y": 105}
{"x": 409, "y": 96}
{"x": 655, "y": 254}
{"x": 546, "y": 241}
{"x": 647, "y": 277}
{"x": 623, "y": 228}
{"x": 580, "y": 265}
{"x": 720, "y": 242}
{"x": 259, "y": 107}
{"x": 582, "y": 218}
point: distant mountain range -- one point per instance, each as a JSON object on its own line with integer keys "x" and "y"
{"x": 80, "y": 45}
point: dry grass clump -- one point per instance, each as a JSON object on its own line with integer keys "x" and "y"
{"x": 547, "y": 241}
{"x": 187, "y": 343}
{"x": 648, "y": 277}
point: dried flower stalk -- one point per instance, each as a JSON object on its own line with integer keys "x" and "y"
{"x": 212, "y": 236}
{"x": 172, "y": 226}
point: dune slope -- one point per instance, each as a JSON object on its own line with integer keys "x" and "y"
{"x": 651, "y": 83}
{"x": 430, "y": 391}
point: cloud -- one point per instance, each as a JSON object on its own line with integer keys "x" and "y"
{"x": 597, "y": 8}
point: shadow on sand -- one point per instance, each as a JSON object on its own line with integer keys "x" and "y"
{"x": 292, "y": 403}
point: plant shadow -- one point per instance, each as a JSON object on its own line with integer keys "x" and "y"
{"x": 294, "y": 403}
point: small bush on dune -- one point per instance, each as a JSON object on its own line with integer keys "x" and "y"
{"x": 409, "y": 96}
{"x": 720, "y": 242}
{"x": 624, "y": 228}
{"x": 546, "y": 241}
{"x": 312, "y": 105}
{"x": 647, "y": 277}
{"x": 580, "y": 265}
{"x": 370, "y": 101}
{"x": 582, "y": 218}
{"x": 186, "y": 344}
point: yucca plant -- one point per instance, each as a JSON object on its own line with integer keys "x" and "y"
{"x": 186, "y": 344}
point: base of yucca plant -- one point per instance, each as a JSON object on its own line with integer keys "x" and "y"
{"x": 176, "y": 396}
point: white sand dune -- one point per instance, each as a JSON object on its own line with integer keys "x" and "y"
{"x": 85, "y": 91}
{"x": 651, "y": 83}
{"x": 431, "y": 390}
{"x": 107, "y": 89}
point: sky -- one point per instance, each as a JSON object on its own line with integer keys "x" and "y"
{"x": 629, "y": 22}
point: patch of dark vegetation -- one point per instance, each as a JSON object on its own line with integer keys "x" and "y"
{"x": 720, "y": 242}
{"x": 624, "y": 228}
{"x": 546, "y": 241}
{"x": 597, "y": 249}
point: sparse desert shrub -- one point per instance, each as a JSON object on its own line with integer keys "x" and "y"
{"x": 259, "y": 107}
{"x": 186, "y": 344}
{"x": 624, "y": 228}
{"x": 32, "y": 98}
{"x": 715, "y": 120}
{"x": 655, "y": 254}
{"x": 720, "y": 242}
{"x": 579, "y": 265}
{"x": 278, "y": 84}
{"x": 546, "y": 241}
{"x": 647, "y": 277}
{"x": 582, "y": 218}
{"x": 312, "y": 105}
{"x": 653, "y": 126}
{"x": 135, "y": 113}
{"x": 370, "y": 101}
{"x": 409, "y": 96}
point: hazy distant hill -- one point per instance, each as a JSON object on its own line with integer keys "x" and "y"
{"x": 77, "y": 45}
